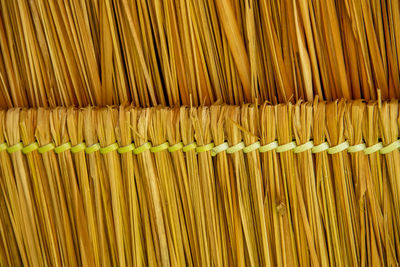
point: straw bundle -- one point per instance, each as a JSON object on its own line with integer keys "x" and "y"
{"x": 100, "y": 165}
{"x": 169, "y": 52}
{"x": 279, "y": 185}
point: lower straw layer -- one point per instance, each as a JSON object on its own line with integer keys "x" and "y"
{"x": 311, "y": 184}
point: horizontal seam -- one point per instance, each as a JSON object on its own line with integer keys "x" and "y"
{"x": 215, "y": 150}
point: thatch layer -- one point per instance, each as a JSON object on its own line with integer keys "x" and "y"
{"x": 196, "y": 52}
{"x": 77, "y": 192}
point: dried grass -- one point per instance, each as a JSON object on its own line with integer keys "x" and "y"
{"x": 65, "y": 66}
{"x": 192, "y": 208}
{"x": 196, "y": 52}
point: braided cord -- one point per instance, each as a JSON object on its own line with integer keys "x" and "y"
{"x": 215, "y": 150}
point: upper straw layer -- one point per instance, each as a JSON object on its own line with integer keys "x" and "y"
{"x": 352, "y": 127}
{"x": 197, "y": 52}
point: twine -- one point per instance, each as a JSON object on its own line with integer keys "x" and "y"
{"x": 215, "y": 150}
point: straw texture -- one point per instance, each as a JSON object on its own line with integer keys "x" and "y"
{"x": 196, "y": 52}
{"x": 102, "y": 187}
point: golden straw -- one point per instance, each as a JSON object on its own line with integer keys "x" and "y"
{"x": 284, "y": 185}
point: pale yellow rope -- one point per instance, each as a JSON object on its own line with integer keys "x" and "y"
{"x": 273, "y": 146}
